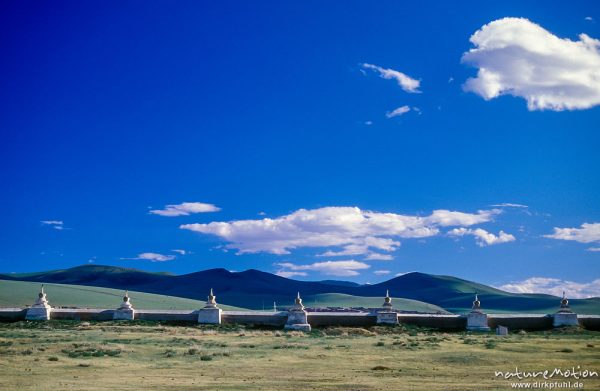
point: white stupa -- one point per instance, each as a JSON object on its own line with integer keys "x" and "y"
{"x": 297, "y": 316}
{"x": 125, "y": 310}
{"x": 211, "y": 313}
{"x": 40, "y": 310}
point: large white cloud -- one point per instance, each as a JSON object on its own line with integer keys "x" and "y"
{"x": 406, "y": 82}
{"x": 482, "y": 237}
{"x": 354, "y": 230}
{"x": 554, "y": 286}
{"x": 185, "y": 209}
{"x": 331, "y": 268}
{"x": 520, "y": 58}
{"x": 588, "y": 233}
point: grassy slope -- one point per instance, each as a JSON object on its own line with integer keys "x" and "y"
{"x": 21, "y": 293}
{"x": 342, "y": 300}
{"x": 265, "y": 301}
{"x": 56, "y": 356}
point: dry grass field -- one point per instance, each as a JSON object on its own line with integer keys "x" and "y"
{"x": 149, "y": 356}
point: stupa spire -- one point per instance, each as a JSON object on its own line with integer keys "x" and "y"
{"x": 476, "y": 303}
{"x": 387, "y": 301}
{"x": 212, "y": 300}
{"x": 564, "y": 303}
{"x": 298, "y": 303}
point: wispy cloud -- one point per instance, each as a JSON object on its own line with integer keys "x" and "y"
{"x": 180, "y": 251}
{"x": 518, "y": 57}
{"x": 554, "y": 286}
{"x": 56, "y": 224}
{"x": 288, "y": 274}
{"x": 383, "y": 244}
{"x": 153, "y": 257}
{"x": 332, "y": 268}
{"x": 352, "y": 230}
{"x": 397, "y": 112}
{"x": 406, "y": 82}
{"x": 509, "y": 205}
{"x": 185, "y": 209}
{"x": 381, "y": 272}
{"x": 371, "y": 256}
{"x": 482, "y": 237}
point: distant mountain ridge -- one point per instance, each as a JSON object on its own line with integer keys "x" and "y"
{"x": 256, "y": 289}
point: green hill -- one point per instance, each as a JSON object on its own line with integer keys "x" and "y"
{"x": 23, "y": 293}
{"x": 258, "y": 290}
{"x": 343, "y": 300}
{"x": 456, "y": 295}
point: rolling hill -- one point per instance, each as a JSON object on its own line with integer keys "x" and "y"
{"x": 344, "y": 300}
{"x": 23, "y": 293}
{"x": 256, "y": 290}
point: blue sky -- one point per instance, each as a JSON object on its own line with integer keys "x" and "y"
{"x": 284, "y": 111}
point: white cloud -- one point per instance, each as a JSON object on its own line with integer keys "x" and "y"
{"x": 446, "y": 218}
{"x": 378, "y": 257}
{"x": 51, "y": 222}
{"x": 520, "y": 58}
{"x": 407, "y": 83}
{"x": 368, "y": 123}
{"x": 381, "y": 272}
{"x": 331, "y": 268}
{"x": 354, "y": 230}
{"x": 554, "y": 286}
{"x": 180, "y": 252}
{"x": 185, "y": 209}
{"x": 509, "y": 205}
{"x": 482, "y": 237}
{"x": 397, "y": 112}
{"x": 594, "y": 249}
{"x": 288, "y": 274}
{"x": 383, "y": 244}
{"x": 56, "y": 224}
{"x": 589, "y": 18}
{"x": 588, "y": 233}
{"x": 153, "y": 257}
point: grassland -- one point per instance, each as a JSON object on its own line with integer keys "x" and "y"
{"x": 22, "y": 293}
{"x": 132, "y": 356}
